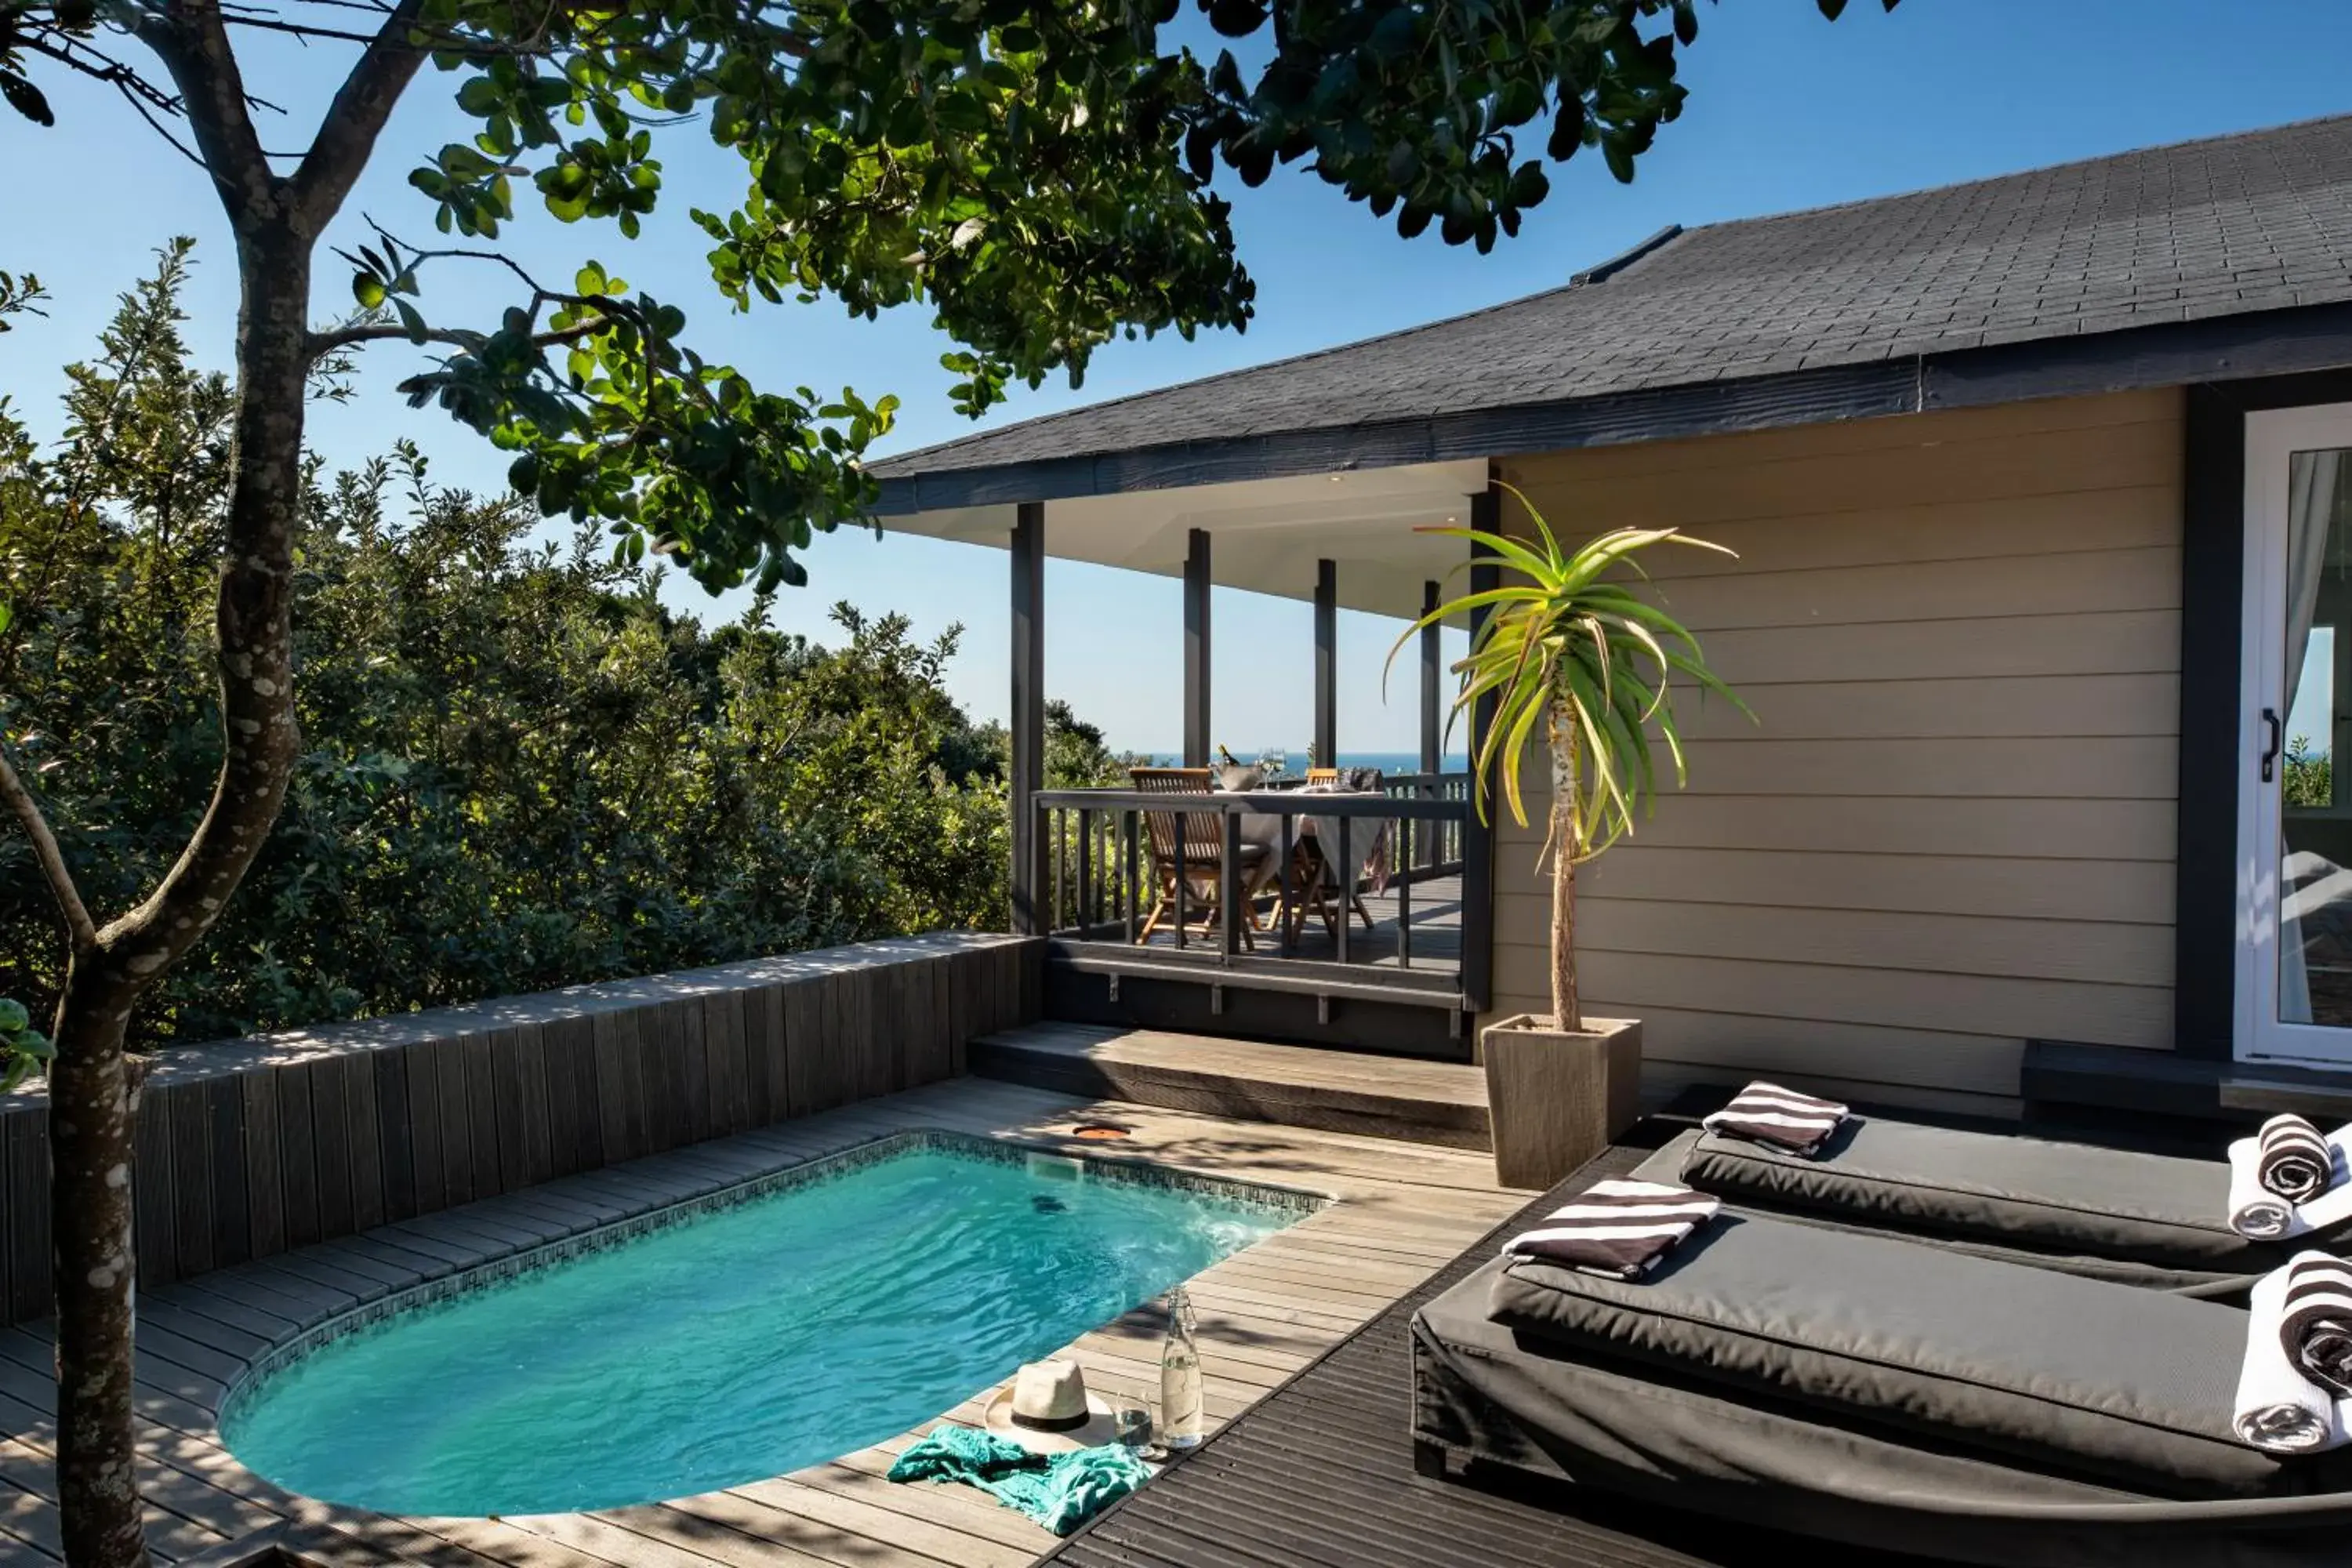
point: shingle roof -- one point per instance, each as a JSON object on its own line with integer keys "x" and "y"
{"x": 2260, "y": 221}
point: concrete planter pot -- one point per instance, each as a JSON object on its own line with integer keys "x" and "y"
{"x": 1557, "y": 1097}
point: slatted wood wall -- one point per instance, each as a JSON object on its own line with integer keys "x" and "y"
{"x": 251, "y": 1147}
{"x": 1951, "y": 829}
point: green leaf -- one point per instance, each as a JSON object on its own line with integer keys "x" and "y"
{"x": 13, "y": 1017}
{"x": 479, "y": 95}
{"x": 368, "y": 289}
{"x": 25, "y": 99}
{"x": 411, "y": 320}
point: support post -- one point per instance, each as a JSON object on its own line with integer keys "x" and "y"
{"x": 1327, "y": 664}
{"x": 1028, "y": 878}
{"x": 1196, "y": 649}
{"x": 1477, "y": 838}
{"x": 1432, "y": 684}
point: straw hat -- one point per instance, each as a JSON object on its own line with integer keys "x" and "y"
{"x": 1049, "y": 1408}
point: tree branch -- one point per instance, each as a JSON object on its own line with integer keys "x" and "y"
{"x": 362, "y": 104}
{"x": 335, "y": 338}
{"x": 79, "y": 926}
{"x": 194, "y": 48}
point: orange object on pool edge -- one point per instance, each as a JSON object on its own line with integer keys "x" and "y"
{"x": 1098, "y": 1131}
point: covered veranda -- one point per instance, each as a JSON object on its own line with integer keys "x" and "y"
{"x": 1349, "y": 916}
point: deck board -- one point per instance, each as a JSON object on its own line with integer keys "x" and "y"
{"x": 1320, "y": 1474}
{"x": 1401, "y": 1211}
{"x": 1402, "y": 1099}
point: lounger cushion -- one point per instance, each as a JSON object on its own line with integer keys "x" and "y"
{"x": 1689, "y": 1444}
{"x": 2023, "y": 1193}
{"x": 2062, "y": 1373}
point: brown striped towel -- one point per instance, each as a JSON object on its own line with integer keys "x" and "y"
{"x": 2293, "y": 1159}
{"x": 2315, "y": 1319}
{"x": 1767, "y": 1113}
{"x": 1618, "y": 1228}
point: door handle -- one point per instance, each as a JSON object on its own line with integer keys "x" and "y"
{"x": 2270, "y": 747}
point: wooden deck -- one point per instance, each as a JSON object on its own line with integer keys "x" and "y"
{"x": 1402, "y": 1213}
{"x": 1409, "y": 1101}
{"x": 1320, "y": 1474}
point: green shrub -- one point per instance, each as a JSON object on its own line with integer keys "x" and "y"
{"x": 520, "y": 770}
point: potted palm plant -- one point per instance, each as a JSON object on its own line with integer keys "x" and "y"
{"x": 1566, "y": 650}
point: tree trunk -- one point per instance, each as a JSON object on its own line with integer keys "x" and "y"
{"x": 92, "y": 1093}
{"x": 90, "y": 1110}
{"x": 1566, "y": 844}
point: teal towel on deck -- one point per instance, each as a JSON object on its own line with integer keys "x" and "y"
{"x": 1060, "y": 1491}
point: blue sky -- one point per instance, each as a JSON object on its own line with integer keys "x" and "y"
{"x": 1786, "y": 111}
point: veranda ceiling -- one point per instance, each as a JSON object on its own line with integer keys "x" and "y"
{"x": 1266, "y": 535}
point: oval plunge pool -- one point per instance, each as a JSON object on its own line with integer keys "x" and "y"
{"x": 804, "y": 1315}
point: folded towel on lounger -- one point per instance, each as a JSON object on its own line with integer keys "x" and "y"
{"x": 2279, "y": 1409}
{"x": 2315, "y": 1321}
{"x": 1767, "y": 1113}
{"x": 2293, "y": 1159}
{"x": 1617, "y": 1229}
{"x": 2257, "y": 1212}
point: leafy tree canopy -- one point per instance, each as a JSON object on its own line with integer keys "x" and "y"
{"x": 519, "y": 769}
{"x": 1041, "y": 175}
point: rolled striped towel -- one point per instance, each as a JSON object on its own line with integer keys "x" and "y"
{"x": 1618, "y": 1228}
{"x": 2278, "y": 1407}
{"x": 1767, "y": 1113}
{"x": 2315, "y": 1319}
{"x": 2293, "y": 1159}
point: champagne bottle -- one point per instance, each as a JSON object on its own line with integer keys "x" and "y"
{"x": 1180, "y": 1376}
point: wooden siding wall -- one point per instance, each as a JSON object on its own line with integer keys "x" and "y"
{"x": 1952, "y": 828}
{"x": 251, "y": 1147}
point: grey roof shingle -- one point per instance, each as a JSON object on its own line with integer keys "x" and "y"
{"x": 2259, "y": 221}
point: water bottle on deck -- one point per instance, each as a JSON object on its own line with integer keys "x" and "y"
{"x": 1180, "y": 1376}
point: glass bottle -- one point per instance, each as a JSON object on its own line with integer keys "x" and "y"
{"x": 1180, "y": 1376}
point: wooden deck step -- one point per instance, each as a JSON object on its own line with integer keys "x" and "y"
{"x": 1296, "y": 1086}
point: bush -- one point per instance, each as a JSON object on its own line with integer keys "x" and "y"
{"x": 519, "y": 768}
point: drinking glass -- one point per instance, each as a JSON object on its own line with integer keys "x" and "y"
{"x": 1131, "y": 1418}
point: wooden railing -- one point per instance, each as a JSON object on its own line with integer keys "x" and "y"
{"x": 1100, "y": 881}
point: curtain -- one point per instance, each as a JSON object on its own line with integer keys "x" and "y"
{"x": 2310, "y": 512}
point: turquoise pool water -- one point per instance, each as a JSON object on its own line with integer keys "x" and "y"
{"x": 736, "y": 1344}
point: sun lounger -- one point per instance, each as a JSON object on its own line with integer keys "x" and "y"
{"x": 2149, "y": 1220}
{"x": 1871, "y": 1391}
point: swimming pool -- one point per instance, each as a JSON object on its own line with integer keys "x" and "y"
{"x": 807, "y": 1315}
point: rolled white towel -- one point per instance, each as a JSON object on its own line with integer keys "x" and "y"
{"x": 2258, "y": 1213}
{"x": 2278, "y": 1409}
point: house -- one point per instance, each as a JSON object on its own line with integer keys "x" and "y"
{"x": 2036, "y": 489}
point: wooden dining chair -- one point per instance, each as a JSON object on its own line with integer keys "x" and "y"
{"x": 1199, "y": 869}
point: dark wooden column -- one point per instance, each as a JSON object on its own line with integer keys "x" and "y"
{"x": 1433, "y": 678}
{"x": 1477, "y": 836}
{"x": 1028, "y": 713}
{"x": 1196, "y": 649}
{"x": 1327, "y": 664}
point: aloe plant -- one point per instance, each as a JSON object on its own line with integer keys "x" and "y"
{"x": 1569, "y": 648}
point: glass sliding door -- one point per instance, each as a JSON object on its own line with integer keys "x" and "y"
{"x": 2295, "y": 828}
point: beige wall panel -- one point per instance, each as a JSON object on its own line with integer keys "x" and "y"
{"x": 2059, "y": 584}
{"x": 2108, "y": 952}
{"x": 2114, "y": 642}
{"x": 2018, "y": 1009}
{"x": 2132, "y": 519}
{"x": 1953, "y": 828}
{"x": 2132, "y": 892}
{"x": 2002, "y": 706}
